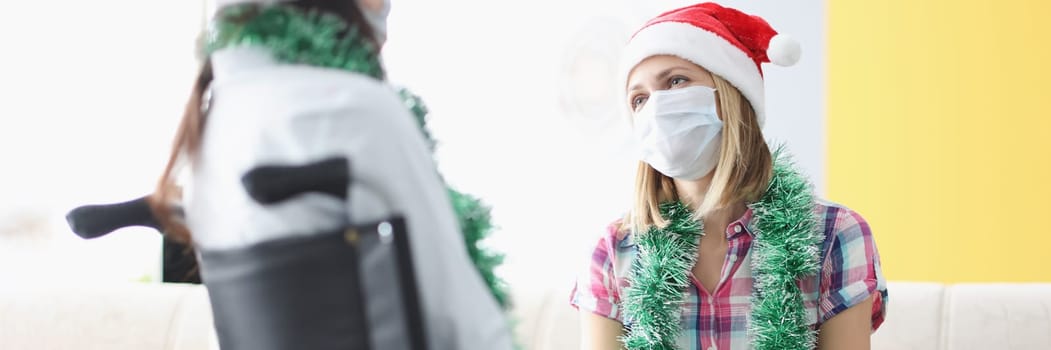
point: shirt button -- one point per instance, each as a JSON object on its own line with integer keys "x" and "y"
{"x": 737, "y": 229}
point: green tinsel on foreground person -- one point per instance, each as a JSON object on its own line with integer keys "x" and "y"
{"x": 473, "y": 215}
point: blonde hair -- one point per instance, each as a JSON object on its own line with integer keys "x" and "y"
{"x": 741, "y": 174}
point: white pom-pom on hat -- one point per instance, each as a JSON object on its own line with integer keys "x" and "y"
{"x": 783, "y": 50}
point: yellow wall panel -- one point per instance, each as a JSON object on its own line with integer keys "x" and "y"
{"x": 939, "y": 133}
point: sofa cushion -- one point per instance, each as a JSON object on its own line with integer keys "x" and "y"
{"x": 111, "y": 317}
{"x": 999, "y": 316}
{"x": 914, "y": 317}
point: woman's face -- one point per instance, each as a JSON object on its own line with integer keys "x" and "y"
{"x": 663, "y": 73}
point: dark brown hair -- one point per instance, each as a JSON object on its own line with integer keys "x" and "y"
{"x": 187, "y": 144}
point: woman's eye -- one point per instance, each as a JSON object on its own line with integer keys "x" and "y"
{"x": 637, "y": 102}
{"x": 676, "y": 81}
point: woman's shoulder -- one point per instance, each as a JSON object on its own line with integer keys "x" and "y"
{"x": 618, "y": 233}
{"x": 326, "y": 101}
{"x": 341, "y": 88}
{"x": 849, "y": 242}
{"x": 302, "y": 87}
{"x": 614, "y": 241}
{"x": 837, "y": 219}
{"x": 613, "y": 252}
{"x": 850, "y": 265}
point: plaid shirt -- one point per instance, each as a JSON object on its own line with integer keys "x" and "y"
{"x": 850, "y": 273}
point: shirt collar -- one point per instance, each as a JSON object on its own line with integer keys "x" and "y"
{"x": 740, "y": 226}
{"x": 744, "y": 223}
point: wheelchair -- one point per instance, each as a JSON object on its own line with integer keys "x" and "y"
{"x": 321, "y": 290}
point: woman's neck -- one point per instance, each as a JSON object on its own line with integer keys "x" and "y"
{"x": 693, "y": 193}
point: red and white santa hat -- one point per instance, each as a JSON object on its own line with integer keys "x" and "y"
{"x": 727, "y": 42}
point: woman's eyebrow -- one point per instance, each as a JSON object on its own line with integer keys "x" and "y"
{"x": 660, "y": 76}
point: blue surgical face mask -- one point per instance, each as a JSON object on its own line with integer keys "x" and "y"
{"x": 679, "y": 132}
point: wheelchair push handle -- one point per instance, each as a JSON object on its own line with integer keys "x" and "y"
{"x": 271, "y": 184}
{"x": 97, "y": 220}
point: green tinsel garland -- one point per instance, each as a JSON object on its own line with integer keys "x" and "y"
{"x": 475, "y": 223}
{"x": 654, "y": 298}
{"x": 419, "y": 110}
{"x": 295, "y": 36}
{"x": 786, "y": 249}
{"x": 474, "y": 216}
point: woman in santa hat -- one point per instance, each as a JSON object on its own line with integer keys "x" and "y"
{"x": 725, "y": 246}
{"x": 294, "y": 82}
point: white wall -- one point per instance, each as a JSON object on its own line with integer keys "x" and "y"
{"x": 90, "y": 94}
{"x": 526, "y": 113}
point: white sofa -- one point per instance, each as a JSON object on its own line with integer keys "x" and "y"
{"x": 116, "y": 317}
{"x": 924, "y": 316}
